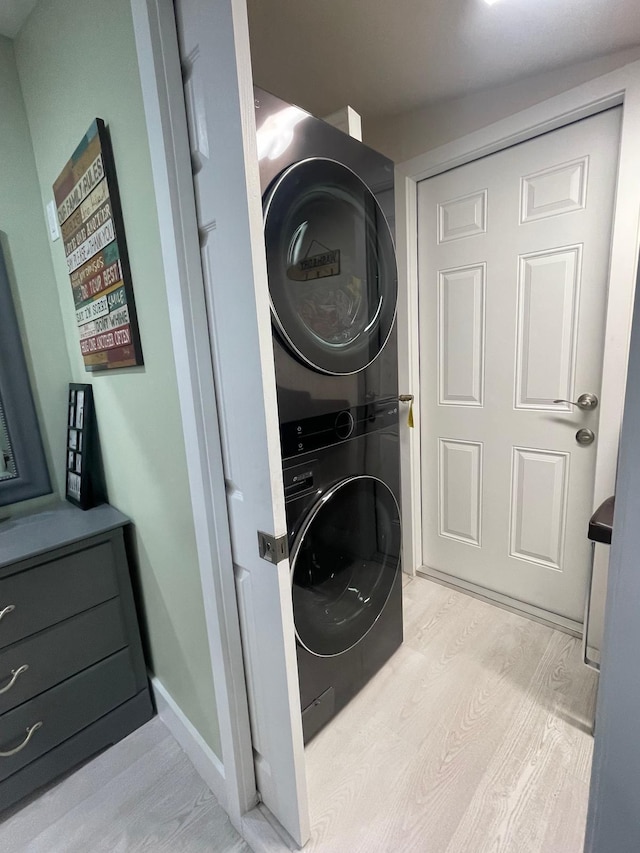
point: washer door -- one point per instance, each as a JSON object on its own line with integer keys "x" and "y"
{"x": 331, "y": 264}
{"x": 343, "y": 564}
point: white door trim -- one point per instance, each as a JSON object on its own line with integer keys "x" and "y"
{"x": 619, "y": 87}
{"x": 160, "y": 74}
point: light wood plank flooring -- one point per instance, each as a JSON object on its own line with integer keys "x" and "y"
{"x": 143, "y": 794}
{"x": 474, "y": 738}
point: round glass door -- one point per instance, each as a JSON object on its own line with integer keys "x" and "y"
{"x": 331, "y": 265}
{"x": 343, "y": 564}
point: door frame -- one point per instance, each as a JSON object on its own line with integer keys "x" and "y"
{"x": 231, "y": 776}
{"x": 618, "y": 88}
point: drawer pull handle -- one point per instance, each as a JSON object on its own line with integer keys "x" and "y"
{"x": 8, "y": 609}
{"x": 14, "y": 677}
{"x": 30, "y": 732}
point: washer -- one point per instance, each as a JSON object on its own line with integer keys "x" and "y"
{"x": 327, "y": 201}
{"x": 342, "y": 495}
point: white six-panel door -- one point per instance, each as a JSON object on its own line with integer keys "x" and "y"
{"x": 513, "y": 268}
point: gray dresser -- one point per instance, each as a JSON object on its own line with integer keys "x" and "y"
{"x": 72, "y": 673}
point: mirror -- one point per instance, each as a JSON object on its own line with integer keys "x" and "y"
{"x": 23, "y": 468}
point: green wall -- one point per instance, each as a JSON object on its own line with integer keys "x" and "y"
{"x": 77, "y": 61}
{"x": 25, "y": 243}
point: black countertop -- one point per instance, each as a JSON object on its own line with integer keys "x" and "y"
{"x": 601, "y": 522}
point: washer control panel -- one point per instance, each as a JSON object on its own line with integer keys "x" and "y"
{"x": 299, "y": 479}
{"x": 309, "y": 434}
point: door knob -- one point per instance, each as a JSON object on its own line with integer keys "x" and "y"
{"x": 584, "y": 401}
{"x": 585, "y": 436}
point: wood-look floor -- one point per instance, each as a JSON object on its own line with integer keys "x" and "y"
{"x": 143, "y": 794}
{"x": 474, "y": 738}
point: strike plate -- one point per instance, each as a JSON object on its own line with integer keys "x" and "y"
{"x": 274, "y": 549}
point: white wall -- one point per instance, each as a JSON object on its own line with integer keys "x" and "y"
{"x": 409, "y": 134}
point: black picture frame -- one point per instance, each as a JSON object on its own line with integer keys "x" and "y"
{"x": 84, "y": 477}
{"x": 30, "y": 477}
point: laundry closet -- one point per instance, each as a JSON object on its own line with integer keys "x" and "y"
{"x": 440, "y": 619}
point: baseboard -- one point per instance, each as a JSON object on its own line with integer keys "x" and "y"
{"x": 551, "y": 620}
{"x": 254, "y": 827}
{"x": 203, "y": 758}
{"x": 259, "y": 831}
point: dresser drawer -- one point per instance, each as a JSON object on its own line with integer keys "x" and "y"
{"x": 64, "y": 710}
{"x": 59, "y": 652}
{"x": 48, "y": 593}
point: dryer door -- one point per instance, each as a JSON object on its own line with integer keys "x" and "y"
{"x": 343, "y": 564}
{"x": 331, "y": 264}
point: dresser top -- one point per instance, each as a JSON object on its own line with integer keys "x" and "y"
{"x": 61, "y": 524}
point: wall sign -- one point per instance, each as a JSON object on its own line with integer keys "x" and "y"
{"x": 90, "y": 217}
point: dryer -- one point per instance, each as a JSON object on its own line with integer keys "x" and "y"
{"x": 342, "y": 502}
{"x": 328, "y": 203}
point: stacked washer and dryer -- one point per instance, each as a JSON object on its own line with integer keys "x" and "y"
{"x": 333, "y": 289}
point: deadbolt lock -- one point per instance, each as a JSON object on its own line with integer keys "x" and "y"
{"x": 585, "y": 436}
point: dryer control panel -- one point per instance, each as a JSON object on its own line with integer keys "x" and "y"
{"x": 309, "y": 434}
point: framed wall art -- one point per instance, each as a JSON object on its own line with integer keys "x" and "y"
{"x": 90, "y": 217}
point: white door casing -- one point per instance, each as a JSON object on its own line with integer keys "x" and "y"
{"x": 214, "y": 47}
{"x": 513, "y": 266}
{"x": 163, "y": 94}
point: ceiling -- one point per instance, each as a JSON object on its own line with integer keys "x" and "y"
{"x": 383, "y": 57}
{"x": 386, "y": 56}
{"x": 13, "y": 14}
